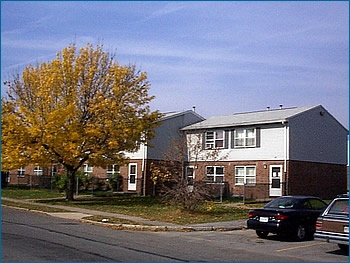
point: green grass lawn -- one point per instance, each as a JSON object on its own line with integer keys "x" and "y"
{"x": 147, "y": 207}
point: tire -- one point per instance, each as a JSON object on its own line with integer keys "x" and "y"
{"x": 262, "y": 234}
{"x": 301, "y": 233}
{"x": 344, "y": 247}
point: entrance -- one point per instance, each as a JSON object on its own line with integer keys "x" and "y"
{"x": 132, "y": 176}
{"x": 275, "y": 180}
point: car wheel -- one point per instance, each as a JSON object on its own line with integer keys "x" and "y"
{"x": 343, "y": 247}
{"x": 301, "y": 233}
{"x": 262, "y": 234}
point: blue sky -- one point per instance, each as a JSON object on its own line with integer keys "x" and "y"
{"x": 222, "y": 57}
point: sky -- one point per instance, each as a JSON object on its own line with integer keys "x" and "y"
{"x": 221, "y": 57}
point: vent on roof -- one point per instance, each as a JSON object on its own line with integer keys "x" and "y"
{"x": 281, "y": 106}
{"x": 268, "y": 108}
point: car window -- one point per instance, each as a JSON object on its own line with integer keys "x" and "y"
{"x": 306, "y": 205}
{"x": 339, "y": 207}
{"x": 286, "y": 203}
{"x": 317, "y": 204}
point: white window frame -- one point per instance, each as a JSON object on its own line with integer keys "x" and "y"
{"x": 217, "y": 175}
{"x": 190, "y": 176}
{"x": 54, "y": 169}
{"x": 132, "y": 177}
{"x": 21, "y": 172}
{"x": 88, "y": 170}
{"x": 112, "y": 169}
{"x": 244, "y": 175}
{"x": 245, "y": 138}
{"x": 214, "y": 139}
{"x": 38, "y": 171}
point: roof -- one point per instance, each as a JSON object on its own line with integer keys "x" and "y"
{"x": 169, "y": 115}
{"x": 250, "y": 118}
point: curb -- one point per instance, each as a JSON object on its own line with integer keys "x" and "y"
{"x": 162, "y": 228}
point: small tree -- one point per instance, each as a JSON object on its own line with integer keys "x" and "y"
{"x": 189, "y": 198}
{"x": 160, "y": 173}
{"x": 80, "y": 107}
{"x": 176, "y": 189}
{"x": 182, "y": 191}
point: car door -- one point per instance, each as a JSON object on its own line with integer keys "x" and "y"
{"x": 313, "y": 208}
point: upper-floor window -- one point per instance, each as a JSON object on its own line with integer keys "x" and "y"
{"x": 215, "y": 173}
{"x": 21, "y": 172}
{"x": 244, "y": 138}
{"x": 245, "y": 175}
{"x": 214, "y": 139}
{"x": 38, "y": 171}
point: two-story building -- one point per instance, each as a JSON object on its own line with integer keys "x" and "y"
{"x": 265, "y": 154}
{"x": 134, "y": 175}
{"x": 259, "y": 155}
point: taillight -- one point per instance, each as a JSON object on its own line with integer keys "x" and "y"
{"x": 281, "y": 217}
{"x": 252, "y": 214}
{"x": 318, "y": 225}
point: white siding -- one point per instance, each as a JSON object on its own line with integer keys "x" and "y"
{"x": 138, "y": 154}
{"x": 272, "y": 145}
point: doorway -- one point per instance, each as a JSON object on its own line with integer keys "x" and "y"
{"x": 132, "y": 177}
{"x": 275, "y": 180}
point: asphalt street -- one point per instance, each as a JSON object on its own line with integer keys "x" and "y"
{"x": 28, "y": 236}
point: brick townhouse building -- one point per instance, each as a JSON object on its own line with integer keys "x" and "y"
{"x": 261, "y": 154}
{"x": 269, "y": 153}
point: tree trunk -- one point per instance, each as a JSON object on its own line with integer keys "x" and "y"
{"x": 70, "y": 185}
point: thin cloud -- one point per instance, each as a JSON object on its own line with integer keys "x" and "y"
{"x": 168, "y": 9}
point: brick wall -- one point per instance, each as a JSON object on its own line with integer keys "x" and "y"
{"x": 318, "y": 179}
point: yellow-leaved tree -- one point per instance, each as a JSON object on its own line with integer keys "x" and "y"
{"x": 81, "y": 106}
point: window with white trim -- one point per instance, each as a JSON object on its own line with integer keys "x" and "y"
{"x": 215, "y": 173}
{"x": 244, "y": 138}
{"x": 38, "y": 171}
{"x": 54, "y": 169}
{"x": 88, "y": 169}
{"x": 112, "y": 169}
{"x": 190, "y": 174}
{"x": 245, "y": 175}
{"x": 214, "y": 139}
{"x": 21, "y": 172}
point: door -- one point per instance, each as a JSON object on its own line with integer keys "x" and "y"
{"x": 275, "y": 180}
{"x": 132, "y": 177}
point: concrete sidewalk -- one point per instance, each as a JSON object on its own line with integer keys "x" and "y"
{"x": 76, "y": 213}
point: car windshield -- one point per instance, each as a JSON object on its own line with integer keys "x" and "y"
{"x": 340, "y": 206}
{"x": 284, "y": 203}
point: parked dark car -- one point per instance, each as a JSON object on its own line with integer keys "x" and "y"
{"x": 333, "y": 224}
{"x": 294, "y": 216}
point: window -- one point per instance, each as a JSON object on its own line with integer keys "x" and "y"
{"x": 87, "y": 169}
{"x": 54, "y": 169}
{"x": 38, "y": 171}
{"x": 214, "y": 139}
{"x": 245, "y": 175}
{"x": 339, "y": 207}
{"x": 215, "y": 174}
{"x": 132, "y": 173}
{"x": 112, "y": 169}
{"x": 189, "y": 175}
{"x": 21, "y": 172}
{"x": 244, "y": 138}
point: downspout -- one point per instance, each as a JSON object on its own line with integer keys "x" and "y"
{"x": 143, "y": 169}
{"x": 285, "y": 124}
